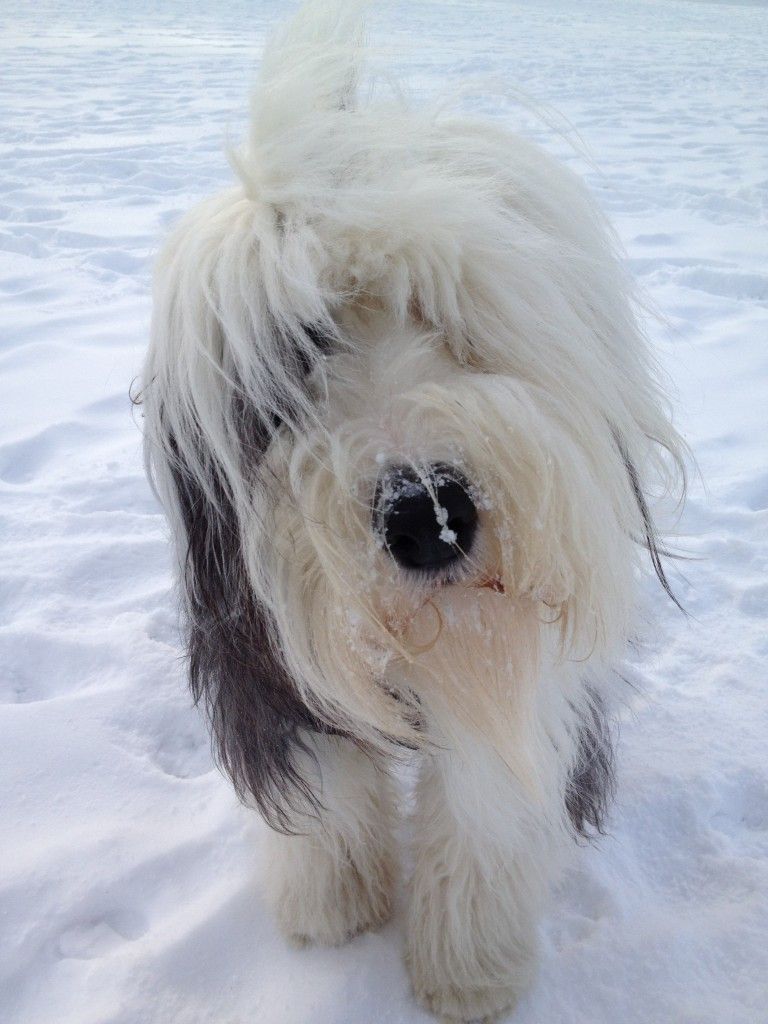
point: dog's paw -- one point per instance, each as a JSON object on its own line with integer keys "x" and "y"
{"x": 478, "y": 1005}
{"x": 327, "y": 901}
{"x": 335, "y": 921}
{"x": 468, "y": 968}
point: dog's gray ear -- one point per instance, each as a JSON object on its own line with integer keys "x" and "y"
{"x": 215, "y": 391}
{"x": 235, "y": 668}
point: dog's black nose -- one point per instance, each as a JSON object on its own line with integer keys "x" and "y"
{"x": 426, "y": 521}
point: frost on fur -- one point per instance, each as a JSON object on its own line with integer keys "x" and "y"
{"x": 389, "y": 291}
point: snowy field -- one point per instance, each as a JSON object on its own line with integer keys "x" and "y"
{"x": 129, "y": 876}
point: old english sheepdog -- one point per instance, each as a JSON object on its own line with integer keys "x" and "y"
{"x": 410, "y": 440}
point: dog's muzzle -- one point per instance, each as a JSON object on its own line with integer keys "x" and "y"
{"x": 426, "y": 520}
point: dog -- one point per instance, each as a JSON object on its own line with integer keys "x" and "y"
{"x": 410, "y": 439}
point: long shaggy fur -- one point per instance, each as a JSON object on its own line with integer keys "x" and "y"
{"x": 385, "y": 287}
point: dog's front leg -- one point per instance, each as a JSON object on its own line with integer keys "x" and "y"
{"x": 334, "y": 877}
{"x": 483, "y": 860}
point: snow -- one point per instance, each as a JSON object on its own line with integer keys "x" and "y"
{"x": 130, "y": 877}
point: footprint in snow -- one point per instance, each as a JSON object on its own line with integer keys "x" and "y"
{"x": 169, "y": 737}
{"x": 586, "y": 904}
{"x": 99, "y": 936}
{"x": 183, "y": 755}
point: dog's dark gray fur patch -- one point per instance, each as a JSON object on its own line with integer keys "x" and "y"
{"x": 592, "y": 781}
{"x": 236, "y": 670}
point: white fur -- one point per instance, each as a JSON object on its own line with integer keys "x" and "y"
{"x": 335, "y": 878}
{"x": 480, "y": 317}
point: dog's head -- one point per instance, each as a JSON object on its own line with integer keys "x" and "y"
{"x": 400, "y": 413}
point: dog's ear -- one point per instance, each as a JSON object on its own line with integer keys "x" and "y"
{"x": 235, "y": 668}
{"x": 221, "y": 376}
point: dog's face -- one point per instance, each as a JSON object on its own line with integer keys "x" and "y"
{"x": 402, "y": 418}
{"x": 435, "y": 509}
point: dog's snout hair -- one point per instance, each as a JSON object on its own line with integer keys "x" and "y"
{"x": 411, "y": 441}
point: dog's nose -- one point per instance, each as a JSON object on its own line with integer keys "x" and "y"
{"x": 426, "y": 521}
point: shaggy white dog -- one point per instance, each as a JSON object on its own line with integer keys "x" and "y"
{"x": 404, "y": 423}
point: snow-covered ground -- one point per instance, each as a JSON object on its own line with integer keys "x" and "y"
{"x": 129, "y": 876}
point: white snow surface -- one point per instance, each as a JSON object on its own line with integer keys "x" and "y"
{"x": 130, "y": 878}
